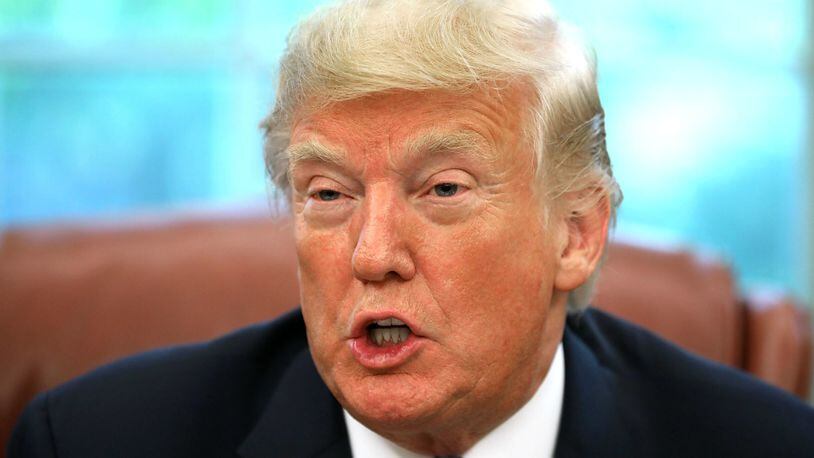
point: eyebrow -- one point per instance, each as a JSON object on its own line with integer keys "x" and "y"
{"x": 312, "y": 150}
{"x": 438, "y": 142}
{"x": 416, "y": 149}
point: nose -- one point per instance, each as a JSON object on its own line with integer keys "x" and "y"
{"x": 381, "y": 250}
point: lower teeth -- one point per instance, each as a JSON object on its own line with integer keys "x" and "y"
{"x": 389, "y": 335}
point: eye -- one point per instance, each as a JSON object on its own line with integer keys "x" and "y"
{"x": 328, "y": 194}
{"x": 445, "y": 189}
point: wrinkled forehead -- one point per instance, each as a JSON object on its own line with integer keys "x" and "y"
{"x": 487, "y": 124}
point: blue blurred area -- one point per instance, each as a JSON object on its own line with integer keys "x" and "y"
{"x": 80, "y": 142}
{"x": 111, "y": 106}
{"x": 706, "y": 106}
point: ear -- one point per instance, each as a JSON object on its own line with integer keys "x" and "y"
{"x": 583, "y": 243}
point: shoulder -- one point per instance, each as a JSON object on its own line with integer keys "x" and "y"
{"x": 676, "y": 398}
{"x": 214, "y": 391}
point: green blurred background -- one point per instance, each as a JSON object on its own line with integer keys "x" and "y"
{"x": 112, "y": 106}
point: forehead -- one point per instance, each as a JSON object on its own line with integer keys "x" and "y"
{"x": 407, "y": 121}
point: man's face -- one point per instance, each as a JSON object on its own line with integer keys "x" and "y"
{"x": 421, "y": 207}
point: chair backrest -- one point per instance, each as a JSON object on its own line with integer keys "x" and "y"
{"x": 75, "y": 296}
{"x": 687, "y": 298}
{"x": 778, "y": 343}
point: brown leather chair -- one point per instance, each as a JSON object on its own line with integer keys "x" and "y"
{"x": 690, "y": 299}
{"x": 778, "y": 345}
{"x": 77, "y": 295}
{"x": 687, "y": 298}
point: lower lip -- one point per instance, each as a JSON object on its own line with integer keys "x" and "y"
{"x": 373, "y": 356}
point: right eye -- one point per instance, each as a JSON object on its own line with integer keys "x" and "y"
{"x": 327, "y": 195}
{"x": 445, "y": 189}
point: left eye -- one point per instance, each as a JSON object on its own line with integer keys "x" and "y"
{"x": 445, "y": 189}
{"x": 328, "y": 194}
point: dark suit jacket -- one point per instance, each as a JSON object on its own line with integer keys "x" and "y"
{"x": 256, "y": 393}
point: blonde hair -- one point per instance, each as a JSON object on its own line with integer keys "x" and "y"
{"x": 359, "y": 47}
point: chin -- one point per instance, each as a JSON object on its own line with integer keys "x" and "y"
{"x": 391, "y": 401}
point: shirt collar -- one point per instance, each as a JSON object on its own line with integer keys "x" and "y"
{"x": 531, "y": 431}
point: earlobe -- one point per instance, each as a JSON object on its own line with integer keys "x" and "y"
{"x": 584, "y": 238}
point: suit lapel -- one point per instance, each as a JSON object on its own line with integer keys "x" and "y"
{"x": 301, "y": 419}
{"x": 593, "y": 420}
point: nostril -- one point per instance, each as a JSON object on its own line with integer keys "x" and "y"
{"x": 381, "y": 254}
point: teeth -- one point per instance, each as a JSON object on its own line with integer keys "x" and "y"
{"x": 391, "y": 322}
{"x": 389, "y": 335}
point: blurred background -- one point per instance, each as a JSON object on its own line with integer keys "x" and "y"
{"x": 133, "y": 204}
{"x": 109, "y": 107}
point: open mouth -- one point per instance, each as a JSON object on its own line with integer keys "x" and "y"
{"x": 384, "y": 342}
{"x": 387, "y": 332}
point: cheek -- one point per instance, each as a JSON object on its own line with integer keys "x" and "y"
{"x": 324, "y": 271}
{"x": 320, "y": 259}
{"x": 493, "y": 284}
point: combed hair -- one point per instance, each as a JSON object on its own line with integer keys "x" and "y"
{"x": 359, "y": 47}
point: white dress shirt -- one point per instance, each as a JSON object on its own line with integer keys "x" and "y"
{"x": 530, "y": 432}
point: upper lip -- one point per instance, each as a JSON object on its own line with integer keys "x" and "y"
{"x": 364, "y": 319}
